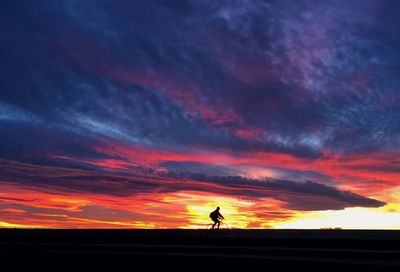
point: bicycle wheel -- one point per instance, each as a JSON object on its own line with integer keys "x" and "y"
{"x": 224, "y": 226}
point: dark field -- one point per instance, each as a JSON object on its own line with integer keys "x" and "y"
{"x": 193, "y": 250}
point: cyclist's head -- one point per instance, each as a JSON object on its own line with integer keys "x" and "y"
{"x": 217, "y": 208}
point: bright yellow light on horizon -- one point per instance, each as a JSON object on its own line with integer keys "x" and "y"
{"x": 12, "y": 225}
{"x": 349, "y": 218}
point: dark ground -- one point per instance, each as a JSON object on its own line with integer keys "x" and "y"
{"x": 194, "y": 250}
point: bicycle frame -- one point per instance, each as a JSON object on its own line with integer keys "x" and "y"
{"x": 222, "y": 225}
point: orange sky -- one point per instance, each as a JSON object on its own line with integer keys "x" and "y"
{"x": 188, "y": 207}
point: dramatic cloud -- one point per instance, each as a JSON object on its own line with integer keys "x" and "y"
{"x": 291, "y": 103}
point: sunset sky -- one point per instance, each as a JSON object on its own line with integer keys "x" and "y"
{"x": 149, "y": 114}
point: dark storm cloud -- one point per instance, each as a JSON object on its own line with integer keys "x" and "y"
{"x": 296, "y": 195}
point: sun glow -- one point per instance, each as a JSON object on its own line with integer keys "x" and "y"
{"x": 238, "y": 213}
{"x": 199, "y": 206}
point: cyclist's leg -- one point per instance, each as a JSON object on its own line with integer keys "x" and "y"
{"x": 215, "y": 223}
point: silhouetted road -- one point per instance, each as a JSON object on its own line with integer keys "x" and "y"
{"x": 193, "y": 250}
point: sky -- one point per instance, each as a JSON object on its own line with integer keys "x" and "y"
{"x": 149, "y": 114}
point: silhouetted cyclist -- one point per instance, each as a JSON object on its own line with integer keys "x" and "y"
{"x": 215, "y": 216}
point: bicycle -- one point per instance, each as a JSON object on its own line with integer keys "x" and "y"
{"x": 222, "y": 225}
